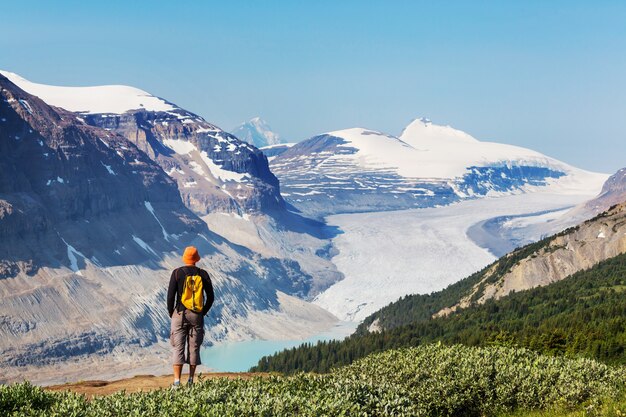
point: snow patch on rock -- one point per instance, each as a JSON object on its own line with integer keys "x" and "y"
{"x": 149, "y": 207}
{"x": 71, "y": 255}
{"x": 144, "y": 245}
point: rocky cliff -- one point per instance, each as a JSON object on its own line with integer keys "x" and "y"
{"x": 214, "y": 170}
{"x": 613, "y": 192}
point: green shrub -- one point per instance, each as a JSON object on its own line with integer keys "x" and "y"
{"x": 431, "y": 380}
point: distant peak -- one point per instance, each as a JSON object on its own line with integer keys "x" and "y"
{"x": 257, "y": 132}
{"x": 257, "y": 122}
{"x": 420, "y": 121}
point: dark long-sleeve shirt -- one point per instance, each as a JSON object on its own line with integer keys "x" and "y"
{"x": 175, "y": 289}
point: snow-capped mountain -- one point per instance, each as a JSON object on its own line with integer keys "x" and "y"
{"x": 105, "y": 99}
{"x": 357, "y": 169}
{"x": 61, "y": 177}
{"x": 257, "y": 132}
{"x": 214, "y": 170}
{"x": 90, "y": 228}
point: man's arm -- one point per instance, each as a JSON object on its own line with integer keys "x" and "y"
{"x": 171, "y": 293}
{"x": 208, "y": 290}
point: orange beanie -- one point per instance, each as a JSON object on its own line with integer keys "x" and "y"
{"x": 191, "y": 255}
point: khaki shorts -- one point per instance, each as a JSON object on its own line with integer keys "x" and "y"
{"x": 186, "y": 334}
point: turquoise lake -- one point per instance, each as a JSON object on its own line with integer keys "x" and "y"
{"x": 240, "y": 356}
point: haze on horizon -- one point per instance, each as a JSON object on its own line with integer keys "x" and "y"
{"x": 549, "y": 77}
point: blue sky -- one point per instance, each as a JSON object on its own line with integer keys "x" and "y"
{"x": 550, "y": 76}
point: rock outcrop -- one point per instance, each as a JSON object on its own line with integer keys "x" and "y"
{"x": 613, "y": 192}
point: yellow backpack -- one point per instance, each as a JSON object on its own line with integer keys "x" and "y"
{"x": 192, "y": 296}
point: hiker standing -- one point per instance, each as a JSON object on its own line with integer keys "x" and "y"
{"x": 189, "y": 298}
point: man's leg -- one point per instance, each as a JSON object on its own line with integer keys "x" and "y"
{"x": 196, "y": 334}
{"x": 178, "y": 369}
{"x": 177, "y": 339}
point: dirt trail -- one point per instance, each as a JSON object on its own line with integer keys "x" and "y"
{"x": 138, "y": 383}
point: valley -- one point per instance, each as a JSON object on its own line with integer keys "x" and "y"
{"x": 386, "y": 255}
{"x": 309, "y": 237}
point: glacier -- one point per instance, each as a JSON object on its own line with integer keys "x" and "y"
{"x": 387, "y": 255}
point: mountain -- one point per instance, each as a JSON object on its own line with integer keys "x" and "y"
{"x": 257, "y": 132}
{"x": 214, "y": 170}
{"x": 357, "y": 170}
{"x": 62, "y": 177}
{"x": 559, "y": 295}
{"x": 90, "y": 227}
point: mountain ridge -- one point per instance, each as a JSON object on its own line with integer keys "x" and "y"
{"x": 110, "y": 99}
{"x": 358, "y": 169}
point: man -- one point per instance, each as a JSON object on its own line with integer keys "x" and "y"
{"x": 189, "y": 298}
